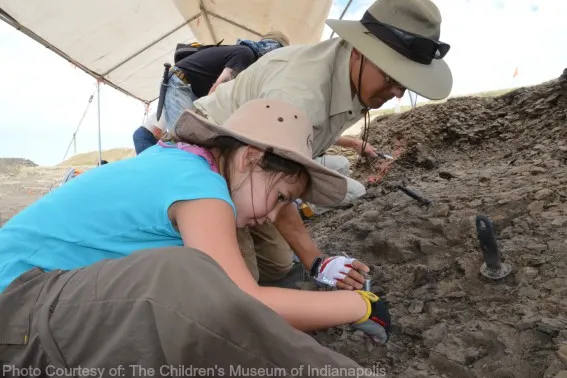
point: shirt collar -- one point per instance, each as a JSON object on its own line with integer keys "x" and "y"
{"x": 341, "y": 98}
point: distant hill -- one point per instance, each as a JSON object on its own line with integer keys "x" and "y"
{"x": 91, "y": 158}
{"x": 7, "y": 164}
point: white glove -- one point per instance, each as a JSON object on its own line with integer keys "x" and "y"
{"x": 333, "y": 269}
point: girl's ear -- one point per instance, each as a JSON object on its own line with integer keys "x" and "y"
{"x": 249, "y": 158}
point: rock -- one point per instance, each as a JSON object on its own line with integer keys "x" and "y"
{"x": 369, "y": 346}
{"x": 399, "y": 257}
{"x": 456, "y": 294}
{"x": 436, "y": 224}
{"x": 561, "y": 374}
{"x": 447, "y": 175}
{"x": 550, "y": 326}
{"x": 535, "y": 207}
{"x": 427, "y": 247}
{"x": 474, "y": 204}
{"x": 420, "y": 366}
{"x": 537, "y": 170}
{"x": 530, "y": 272}
{"x": 538, "y": 248}
{"x": 385, "y": 224}
{"x": 562, "y": 353}
{"x": 451, "y": 368}
{"x": 528, "y": 292}
{"x": 483, "y": 178}
{"x": 442, "y": 210}
{"x": 372, "y": 216}
{"x": 556, "y": 285}
{"x": 413, "y": 325}
{"x": 415, "y": 307}
{"x": 537, "y": 260}
{"x": 457, "y": 350}
{"x": 421, "y": 275}
{"x": 529, "y": 321}
{"x": 434, "y": 335}
{"x": 543, "y": 194}
{"x": 504, "y": 372}
{"x": 559, "y": 222}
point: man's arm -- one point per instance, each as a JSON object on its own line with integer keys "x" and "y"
{"x": 240, "y": 58}
{"x": 226, "y": 75}
{"x": 346, "y": 142}
{"x": 291, "y": 227}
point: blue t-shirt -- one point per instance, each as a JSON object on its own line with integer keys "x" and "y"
{"x": 107, "y": 212}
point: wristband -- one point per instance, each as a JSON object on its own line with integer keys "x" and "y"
{"x": 315, "y": 266}
{"x": 368, "y": 298}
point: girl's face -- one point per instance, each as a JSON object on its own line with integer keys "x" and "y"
{"x": 259, "y": 195}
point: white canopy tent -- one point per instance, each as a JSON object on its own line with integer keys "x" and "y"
{"x": 125, "y": 43}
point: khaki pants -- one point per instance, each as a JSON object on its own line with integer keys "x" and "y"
{"x": 341, "y": 164}
{"x": 164, "y": 309}
{"x": 266, "y": 253}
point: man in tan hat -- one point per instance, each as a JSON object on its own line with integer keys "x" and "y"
{"x": 395, "y": 46}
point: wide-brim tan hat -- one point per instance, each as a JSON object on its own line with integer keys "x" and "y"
{"x": 274, "y": 126}
{"x": 420, "y": 17}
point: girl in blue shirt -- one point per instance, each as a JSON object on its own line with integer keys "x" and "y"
{"x": 183, "y": 194}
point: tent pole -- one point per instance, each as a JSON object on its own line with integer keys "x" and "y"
{"x": 99, "y": 141}
{"x": 342, "y": 15}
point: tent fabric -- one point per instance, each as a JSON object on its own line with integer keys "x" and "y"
{"x": 125, "y": 43}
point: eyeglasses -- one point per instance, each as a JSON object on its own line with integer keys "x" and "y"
{"x": 413, "y": 46}
{"x": 387, "y": 78}
{"x": 390, "y": 81}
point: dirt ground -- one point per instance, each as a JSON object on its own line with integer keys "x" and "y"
{"x": 22, "y": 183}
{"x": 504, "y": 157}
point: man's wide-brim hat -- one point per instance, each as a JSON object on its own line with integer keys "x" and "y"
{"x": 401, "y": 37}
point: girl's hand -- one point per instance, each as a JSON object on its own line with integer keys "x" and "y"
{"x": 377, "y": 322}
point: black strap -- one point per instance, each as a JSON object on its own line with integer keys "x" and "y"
{"x": 414, "y": 47}
{"x": 315, "y": 266}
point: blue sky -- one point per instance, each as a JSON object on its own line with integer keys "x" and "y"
{"x": 42, "y": 97}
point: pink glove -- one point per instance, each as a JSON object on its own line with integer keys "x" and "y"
{"x": 331, "y": 269}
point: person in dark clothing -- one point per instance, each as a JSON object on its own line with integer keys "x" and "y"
{"x": 199, "y": 74}
{"x": 205, "y": 69}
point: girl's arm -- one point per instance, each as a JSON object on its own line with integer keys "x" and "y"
{"x": 209, "y": 226}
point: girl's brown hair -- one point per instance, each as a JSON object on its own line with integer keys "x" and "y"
{"x": 270, "y": 162}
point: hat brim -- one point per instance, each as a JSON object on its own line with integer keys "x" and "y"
{"x": 328, "y": 187}
{"x": 432, "y": 81}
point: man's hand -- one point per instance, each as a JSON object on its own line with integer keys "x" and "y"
{"x": 342, "y": 272}
{"x": 356, "y": 144}
{"x": 368, "y": 149}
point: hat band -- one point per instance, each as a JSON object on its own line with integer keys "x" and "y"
{"x": 413, "y": 46}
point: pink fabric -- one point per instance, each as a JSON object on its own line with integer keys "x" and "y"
{"x": 193, "y": 149}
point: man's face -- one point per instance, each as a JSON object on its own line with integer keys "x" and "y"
{"x": 376, "y": 87}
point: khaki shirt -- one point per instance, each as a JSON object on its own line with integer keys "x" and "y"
{"x": 315, "y": 78}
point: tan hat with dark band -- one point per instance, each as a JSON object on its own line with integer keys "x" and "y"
{"x": 401, "y": 37}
